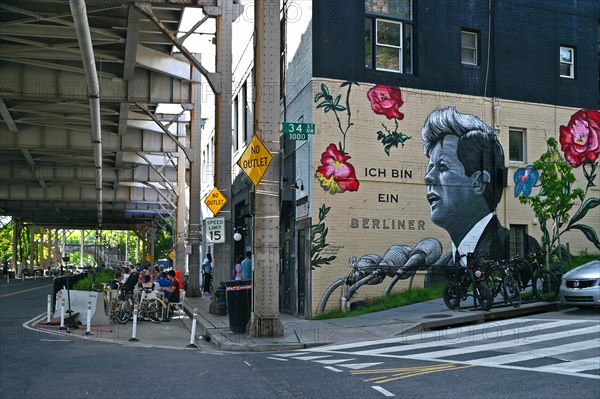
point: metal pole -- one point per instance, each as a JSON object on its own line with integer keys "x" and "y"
{"x": 134, "y": 328}
{"x": 89, "y": 317}
{"x": 49, "y": 308}
{"x": 62, "y": 313}
{"x": 265, "y": 320}
{"x": 193, "y": 335}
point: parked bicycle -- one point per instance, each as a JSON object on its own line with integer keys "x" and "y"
{"x": 545, "y": 284}
{"x": 120, "y": 308}
{"x": 461, "y": 278}
{"x": 502, "y": 278}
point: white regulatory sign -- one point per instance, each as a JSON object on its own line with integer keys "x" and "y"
{"x": 215, "y": 230}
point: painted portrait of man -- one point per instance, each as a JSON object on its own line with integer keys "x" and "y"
{"x": 465, "y": 181}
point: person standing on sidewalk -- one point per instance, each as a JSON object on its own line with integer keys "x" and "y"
{"x": 207, "y": 273}
{"x": 247, "y": 266}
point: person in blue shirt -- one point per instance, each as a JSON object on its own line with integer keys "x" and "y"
{"x": 247, "y": 266}
{"x": 163, "y": 283}
{"x": 207, "y": 273}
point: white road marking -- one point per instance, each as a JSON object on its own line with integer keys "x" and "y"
{"x": 382, "y": 390}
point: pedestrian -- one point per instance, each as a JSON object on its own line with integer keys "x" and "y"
{"x": 237, "y": 269}
{"x": 246, "y": 266}
{"x": 207, "y": 273}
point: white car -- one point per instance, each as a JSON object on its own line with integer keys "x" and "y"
{"x": 580, "y": 287}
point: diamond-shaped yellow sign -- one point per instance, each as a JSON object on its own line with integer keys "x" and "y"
{"x": 255, "y": 160}
{"x": 215, "y": 201}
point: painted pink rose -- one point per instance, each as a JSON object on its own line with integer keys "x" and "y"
{"x": 580, "y": 139}
{"x": 386, "y": 100}
{"x": 335, "y": 174}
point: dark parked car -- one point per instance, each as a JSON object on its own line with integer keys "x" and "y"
{"x": 581, "y": 286}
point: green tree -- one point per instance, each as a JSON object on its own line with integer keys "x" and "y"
{"x": 556, "y": 197}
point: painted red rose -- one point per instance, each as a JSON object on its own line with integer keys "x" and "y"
{"x": 386, "y": 100}
{"x": 335, "y": 174}
{"x": 580, "y": 139}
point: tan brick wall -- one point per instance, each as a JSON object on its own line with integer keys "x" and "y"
{"x": 392, "y": 189}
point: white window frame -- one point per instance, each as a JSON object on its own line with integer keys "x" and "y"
{"x": 399, "y": 48}
{"x": 464, "y": 47}
{"x": 523, "y": 144}
{"x": 570, "y": 63}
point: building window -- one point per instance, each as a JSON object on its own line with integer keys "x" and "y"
{"x": 567, "y": 62}
{"x": 518, "y": 235}
{"x": 516, "y": 145}
{"x": 468, "y": 47}
{"x": 235, "y": 124}
{"x": 245, "y": 111}
{"x": 389, "y": 41}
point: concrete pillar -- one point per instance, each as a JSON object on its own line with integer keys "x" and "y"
{"x": 265, "y": 320}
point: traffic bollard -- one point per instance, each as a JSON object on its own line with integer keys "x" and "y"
{"x": 89, "y": 317}
{"x": 193, "y": 336}
{"x": 134, "y": 328}
{"x": 49, "y": 310}
{"x": 62, "y": 314}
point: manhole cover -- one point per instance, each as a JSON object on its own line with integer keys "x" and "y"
{"x": 437, "y": 316}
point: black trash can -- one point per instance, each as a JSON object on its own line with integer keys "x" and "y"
{"x": 239, "y": 304}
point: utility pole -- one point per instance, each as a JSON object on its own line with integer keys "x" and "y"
{"x": 265, "y": 320}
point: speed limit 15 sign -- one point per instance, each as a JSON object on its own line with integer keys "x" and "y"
{"x": 215, "y": 230}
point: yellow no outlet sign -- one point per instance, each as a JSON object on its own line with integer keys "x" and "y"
{"x": 215, "y": 201}
{"x": 255, "y": 160}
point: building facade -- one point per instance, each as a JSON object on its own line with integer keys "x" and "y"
{"x": 368, "y": 75}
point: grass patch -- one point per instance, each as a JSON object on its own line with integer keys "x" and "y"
{"x": 391, "y": 301}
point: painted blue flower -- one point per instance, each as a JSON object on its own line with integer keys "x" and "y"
{"x": 525, "y": 178}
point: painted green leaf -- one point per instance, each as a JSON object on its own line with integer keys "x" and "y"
{"x": 589, "y": 233}
{"x": 324, "y": 89}
{"x": 590, "y": 203}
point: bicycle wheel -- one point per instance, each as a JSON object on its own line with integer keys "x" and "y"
{"x": 493, "y": 279}
{"x": 484, "y": 296}
{"x": 546, "y": 286}
{"x": 524, "y": 274}
{"x": 123, "y": 312}
{"x": 452, "y": 295}
{"x": 511, "y": 291}
{"x": 154, "y": 309}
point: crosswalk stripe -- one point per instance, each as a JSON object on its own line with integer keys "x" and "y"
{"x": 460, "y": 331}
{"x": 334, "y": 361}
{"x": 311, "y": 357}
{"x": 358, "y": 366}
{"x": 402, "y": 348}
{"x": 536, "y": 353}
{"x": 576, "y": 366}
{"x": 500, "y": 345}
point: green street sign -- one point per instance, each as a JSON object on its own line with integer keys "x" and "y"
{"x": 298, "y": 131}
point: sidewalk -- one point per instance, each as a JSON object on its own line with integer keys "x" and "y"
{"x": 300, "y": 333}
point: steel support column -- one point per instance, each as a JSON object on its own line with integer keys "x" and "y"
{"x": 223, "y": 256}
{"x": 265, "y": 320}
{"x": 195, "y": 221}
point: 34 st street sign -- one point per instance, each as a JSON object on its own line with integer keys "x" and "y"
{"x": 298, "y": 131}
{"x": 255, "y": 160}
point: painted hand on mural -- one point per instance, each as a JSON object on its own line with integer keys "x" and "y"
{"x": 336, "y": 174}
{"x": 387, "y": 100}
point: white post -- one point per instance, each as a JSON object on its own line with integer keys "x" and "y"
{"x": 62, "y": 313}
{"x": 134, "y": 328}
{"x": 193, "y": 336}
{"x": 49, "y": 310}
{"x": 89, "y": 317}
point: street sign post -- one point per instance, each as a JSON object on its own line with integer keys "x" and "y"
{"x": 255, "y": 160}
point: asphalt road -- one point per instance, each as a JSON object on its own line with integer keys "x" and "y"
{"x": 439, "y": 365}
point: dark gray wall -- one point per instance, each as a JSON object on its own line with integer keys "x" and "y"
{"x": 523, "y": 57}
